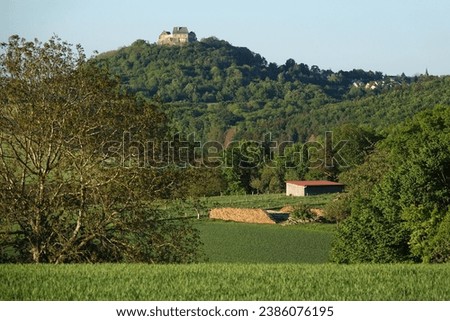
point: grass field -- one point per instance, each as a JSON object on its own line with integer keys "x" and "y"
{"x": 245, "y": 262}
{"x": 229, "y": 242}
{"x": 270, "y": 282}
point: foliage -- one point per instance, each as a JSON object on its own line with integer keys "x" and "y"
{"x": 301, "y": 211}
{"x": 212, "y": 70}
{"x": 402, "y": 216}
{"x": 72, "y": 189}
{"x": 359, "y": 143}
{"x": 338, "y": 208}
{"x": 211, "y": 86}
{"x": 369, "y": 236}
{"x": 225, "y": 94}
{"x": 203, "y": 182}
{"x": 439, "y": 245}
{"x": 225, "y": 282}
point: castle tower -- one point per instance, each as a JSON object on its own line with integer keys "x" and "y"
{"x": 179, "y": 36}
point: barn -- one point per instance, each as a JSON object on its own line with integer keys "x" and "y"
{"x": 307, "y": 188}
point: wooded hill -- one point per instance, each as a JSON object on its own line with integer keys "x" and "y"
{"x": 210, "y": 87}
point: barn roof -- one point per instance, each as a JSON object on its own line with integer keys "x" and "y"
{"x": 314, "y": 183}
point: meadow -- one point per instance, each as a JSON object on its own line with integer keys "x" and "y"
{"x": 230, "y": 242}
{"x": 272, "y": 282}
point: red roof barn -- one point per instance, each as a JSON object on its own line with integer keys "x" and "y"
{"x": 307, "y": 188}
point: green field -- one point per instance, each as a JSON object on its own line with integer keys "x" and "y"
{"x": 225, "y": 282}
{"x": 244, "y": 262}
{"x": 230, "y": 242}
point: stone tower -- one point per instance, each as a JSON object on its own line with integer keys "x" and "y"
{"x": 180, "y": 36}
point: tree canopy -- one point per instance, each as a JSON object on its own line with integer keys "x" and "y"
{"x": 404, "y": 213}
{"x": 211, "y": 86}
{"x": 71, "y": 188}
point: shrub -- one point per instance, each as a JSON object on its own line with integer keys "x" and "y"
{"x": 338, "y": 209}
{"x": 301, "y": 213}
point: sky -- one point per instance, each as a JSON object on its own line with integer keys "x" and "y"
{"x": 391, "y": 36}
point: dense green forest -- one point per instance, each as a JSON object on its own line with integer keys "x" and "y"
{"x": 221, "y": 92}
{"x": 398, "y": 203}
{"x": 213, "y": 91}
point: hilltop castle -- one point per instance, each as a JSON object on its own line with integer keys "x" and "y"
{"x": 180, "y": 36}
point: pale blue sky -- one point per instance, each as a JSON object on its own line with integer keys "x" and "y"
{"x": 391, "y": 36}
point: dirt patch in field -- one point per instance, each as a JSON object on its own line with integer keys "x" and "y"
{"x": 245, "y": 215}
{"x": 289, "y": 209}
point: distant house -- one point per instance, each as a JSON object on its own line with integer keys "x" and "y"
{"x": 307, "y": 188}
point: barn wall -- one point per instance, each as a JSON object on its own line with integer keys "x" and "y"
{"x": 295, "y": 190}
{"x": 316, "y": 190}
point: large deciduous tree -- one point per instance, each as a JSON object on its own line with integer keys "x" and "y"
{"x": 75, "y": 185}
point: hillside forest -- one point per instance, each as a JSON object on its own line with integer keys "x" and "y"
{"x": 283, "y": 122}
